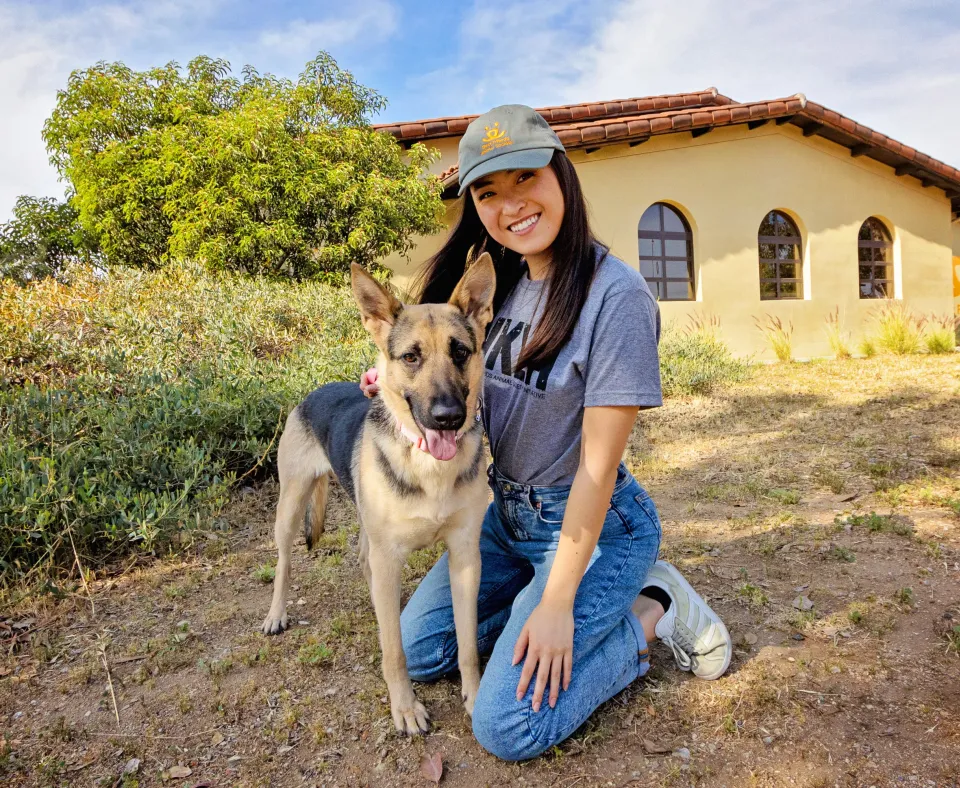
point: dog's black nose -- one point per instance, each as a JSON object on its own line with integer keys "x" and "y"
{"x": 447, "y": 413}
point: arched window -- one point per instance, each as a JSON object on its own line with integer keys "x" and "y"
{"x": 781, "y": 263}
{"x": 666, "y": 253}
{"x": 875, "y": 259}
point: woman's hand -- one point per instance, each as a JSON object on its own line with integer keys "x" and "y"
{"x": 547, "y": 640}
{"x": 368, "y": 383}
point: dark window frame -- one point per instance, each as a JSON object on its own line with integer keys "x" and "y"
{"x": 658, "y": 284}
{"x": 881, "y": 258}
{"x": 786, "y": 241}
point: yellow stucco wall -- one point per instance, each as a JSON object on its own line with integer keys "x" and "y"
{"x": 724, "y": 183}
{"x": 956, "y": 267}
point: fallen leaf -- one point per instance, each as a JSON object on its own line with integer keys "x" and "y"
{"x": 652, "y": 748}
{"x": 432, "y": 767}
{"x": 803, "y": 603}
{"x": 284, "y": 749}
{"x": 217, "y": 739}
{"x": 178, "y": 772}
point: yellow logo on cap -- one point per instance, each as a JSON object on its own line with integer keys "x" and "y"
{"x": 492, "y": 134}
{"x": 493, "y": 139}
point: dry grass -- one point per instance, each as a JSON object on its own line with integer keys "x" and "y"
{"x": 837, "y": 481}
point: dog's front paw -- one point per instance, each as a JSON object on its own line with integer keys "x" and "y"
{"x": 410, "y": 716}
{"x": 468, "y": 692}
{"x": 274, "y": 623}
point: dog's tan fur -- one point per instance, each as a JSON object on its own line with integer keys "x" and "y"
{"x": 449, "y": 499}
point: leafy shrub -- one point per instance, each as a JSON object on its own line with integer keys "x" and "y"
{"x": 696, "y": 362}
{"x": 42, "y": 239}
{"x": 778, "y": 335}
{"x": 130, "y": 402}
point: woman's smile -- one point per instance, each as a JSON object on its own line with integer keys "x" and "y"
{"x": 525, "y": 226}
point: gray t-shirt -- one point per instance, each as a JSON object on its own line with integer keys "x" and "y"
{"x": 533, "y": 417}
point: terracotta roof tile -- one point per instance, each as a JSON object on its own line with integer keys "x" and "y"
{"x": 582, "y": 125}
{"x": 431, "y": 128}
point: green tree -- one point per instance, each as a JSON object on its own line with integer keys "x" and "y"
{"x": 258, "y": 174}
{"x": 43, "y": 237}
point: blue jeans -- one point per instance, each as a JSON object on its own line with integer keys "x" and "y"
{"x": 518, "y": 544}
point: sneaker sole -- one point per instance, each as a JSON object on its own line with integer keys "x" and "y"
{"x": 681, "y": 581}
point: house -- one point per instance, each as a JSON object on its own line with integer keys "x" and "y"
{"x": 735, "y": 211}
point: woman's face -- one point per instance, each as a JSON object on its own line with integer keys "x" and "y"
{"x": 521, "y": 209}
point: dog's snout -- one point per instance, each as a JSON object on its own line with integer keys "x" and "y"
{"x": 447, "y": 413}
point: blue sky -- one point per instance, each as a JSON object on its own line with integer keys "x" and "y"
{"x": 891, "y": 64}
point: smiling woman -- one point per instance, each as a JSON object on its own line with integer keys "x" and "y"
{"x": 571, "y": 592}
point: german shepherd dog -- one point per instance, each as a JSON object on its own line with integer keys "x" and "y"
{"x": 410, "y": 459}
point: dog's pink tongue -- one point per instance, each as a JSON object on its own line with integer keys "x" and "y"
{"x": 442, "y": 444}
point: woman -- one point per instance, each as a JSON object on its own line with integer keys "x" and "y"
{"x": 571, "y": 592}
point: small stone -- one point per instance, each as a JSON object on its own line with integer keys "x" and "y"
{"x": 798, "y": 636}
{"x": 132, "y": 766}
{"x": 18, "y": 714}
{"x": 682, "y": 753}
{"x": 834, "y": 669}
{"x": 284, "y": 749}
{"x": 301, "y": 601}
{"x": 303, "y": 622}
{"x": 217, "y": 739}
{"x": 791, "y": 659}
{"x": 803, "y": 603}
{"x": 768, "y": 739}
{"x": 233, "y": 759}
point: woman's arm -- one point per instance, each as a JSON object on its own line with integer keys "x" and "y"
{"x": 547, "y": 636}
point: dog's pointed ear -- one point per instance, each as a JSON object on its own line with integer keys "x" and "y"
{"x": 378, "y": 308}
{"x": 474, "y": 293}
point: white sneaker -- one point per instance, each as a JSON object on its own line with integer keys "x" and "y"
{"x": 696, "y": 635}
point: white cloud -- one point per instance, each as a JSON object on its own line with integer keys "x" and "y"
{"x": 512, "y": 51}
{"x": 37, "y": 52}
{"x": 890, "y": 64}
{"x": 371, "y": 22}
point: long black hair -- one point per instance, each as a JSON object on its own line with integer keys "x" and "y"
{"x": 576, "y": 254}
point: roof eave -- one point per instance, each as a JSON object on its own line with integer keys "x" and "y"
{"x": 813, "y": 119}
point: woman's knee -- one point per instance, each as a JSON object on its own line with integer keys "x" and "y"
{"x": 501, "y": 724}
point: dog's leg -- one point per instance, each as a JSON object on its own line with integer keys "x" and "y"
{"x": 365, "y": 561}
{"x": 386, "y": 564}
{"x": 300, "y": 462}
{"x": 463, "y": 544}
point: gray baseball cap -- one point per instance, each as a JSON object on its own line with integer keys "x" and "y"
{"x": 509, "y": 137}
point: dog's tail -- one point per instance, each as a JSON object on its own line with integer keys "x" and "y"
{"x": 316, "y": 513}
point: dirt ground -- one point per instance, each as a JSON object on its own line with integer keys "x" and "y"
{"x": 834, "y": 484}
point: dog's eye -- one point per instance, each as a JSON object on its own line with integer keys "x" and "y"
{"x": 410, "y": 358}
{"x": 460, "y": 354}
